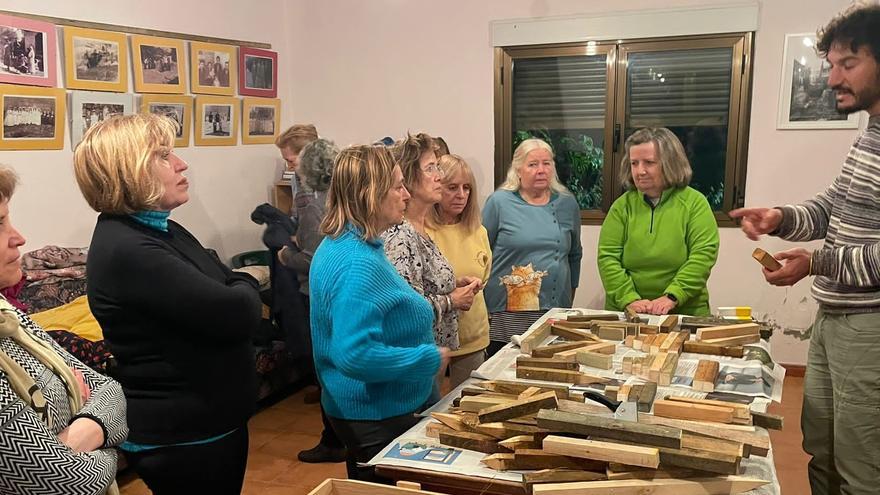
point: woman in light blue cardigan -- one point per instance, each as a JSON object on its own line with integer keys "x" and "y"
{"x": 372, "y": 333}
{"x": 534, "y": 229}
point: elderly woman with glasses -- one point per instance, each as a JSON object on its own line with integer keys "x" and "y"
{"x": 414, "y": 254}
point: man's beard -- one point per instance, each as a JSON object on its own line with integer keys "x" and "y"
{"x": 862, "y": 100}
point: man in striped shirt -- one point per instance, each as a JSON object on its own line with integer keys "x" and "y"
{"x": 841, "y": 411}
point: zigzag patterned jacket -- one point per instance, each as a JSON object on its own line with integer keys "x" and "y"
{"x": 32, "y": 459}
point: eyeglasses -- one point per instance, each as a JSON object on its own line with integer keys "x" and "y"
{"x": 434, "y": 169}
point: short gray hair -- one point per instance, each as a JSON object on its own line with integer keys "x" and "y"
{"x": 316, "y": 164}
{"x": 674, "y": 165}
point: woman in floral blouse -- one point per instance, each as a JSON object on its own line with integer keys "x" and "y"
{"x": 414, "y": 254}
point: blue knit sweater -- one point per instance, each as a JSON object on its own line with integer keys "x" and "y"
{"x": 371, "y": 332}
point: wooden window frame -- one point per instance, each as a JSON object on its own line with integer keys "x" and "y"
{"x": 617, "y": 52}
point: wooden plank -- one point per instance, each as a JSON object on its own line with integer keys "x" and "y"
{"x": 594, "y": 317}
{"x": 610, "y": 332}
{"x": 433, "y": 429}
{"x": 603, "y": 451}
{"x": 695, "y": 412}
{"x": 546, "y": 363}
{"x": 740, "y": 411}
{"x": 506, "y": 429}
{"x": 758, "y": 442}
{"x": 451, "y": 420}
{"x": 713, "y": 349}
{"x": 595, "y": 360}
{"x": 572, "y": 334}
{"x": 471, "y": 441}
{"x": 694, "y": 441}
{"x": 631, "y": 316}
{"x": 530, "y": 479}
{"x": 517, "y": 408}
{"x": 646, "y": 396}
{"x": 667, "y": 371}
{"x": 547, "y": 351}
{"x": 520, "y": 442}
{"x": 578, "y": 407}
{"x": 529, "y": 392}
{"x": 474, "y": 403}
{"x": 610, "y": 428}
{"x": 712, "y": 462}
{"x": 766, "y": 260}
{"x": 740, "y": 340}
{"x": 516, "y": 388}
{"x": 668, "y": 324}
{"x": 727, "y": 331}
{"x": 474, "y": 391}
{"x": 563, "y": 376}
{"x": 623, "y": 472}
{"x": 541, "y": 459}
{"x": 534, "y": 338}
{"x": 695, "y": 486}
{"x": 656, "y": 366}
{"x": 571, "y": 354}
{"x": 769, "y": 421}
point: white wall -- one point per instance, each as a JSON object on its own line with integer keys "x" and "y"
{"x": 226, "y": 183}
{"x": 369, "y": 69}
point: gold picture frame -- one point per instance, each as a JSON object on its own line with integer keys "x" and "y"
{"x": 158, "y": 65}
{"x": 176, "y": 107}
{"x": 32, "y": 118}
{"x": 260, "y": 118}
{"x": 95, "y": 60}
{"x": 212, "y": 68}
{"x": 216, "y": 120}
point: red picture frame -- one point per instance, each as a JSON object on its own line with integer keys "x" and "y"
{"x": 32, "y": 59}
{"x": 257, "y": 72}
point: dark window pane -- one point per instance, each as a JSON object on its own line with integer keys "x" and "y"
{"x": 687, "y": 91}
{"x": 563, "y": 101}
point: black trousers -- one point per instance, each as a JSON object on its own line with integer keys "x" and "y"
{"x": 216, "y": 468}
{"x": 328, "y": 436}
{"x": 365, "y": 439}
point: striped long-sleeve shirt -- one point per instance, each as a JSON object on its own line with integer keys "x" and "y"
{"x": 847, "y": 215}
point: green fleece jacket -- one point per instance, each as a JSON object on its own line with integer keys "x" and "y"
{"x": 647, "y": 251}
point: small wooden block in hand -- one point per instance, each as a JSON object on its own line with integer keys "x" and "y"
{"x": 766, "y": 259}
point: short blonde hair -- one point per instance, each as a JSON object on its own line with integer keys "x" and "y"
{"x": 297, "y": 137}
{"x": 362, "y": 177}
{"x": 407, "y": 153}
{"x": 113, "y": 164}
{"x": 512, "y": 182}
{"x": 674, "y": 165}
{"x": 8, "y": 181}
{"x": 451, "y": 165}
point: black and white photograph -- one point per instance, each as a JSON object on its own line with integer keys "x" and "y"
{"x": 23, "y": 51}
{"x": 159, "y": 64}
{"x": 96, "y": 60}
{"x": 259, "y": 72}
{"x": 261, "y": 121}
{"x": 805, "y": 100}
{"x": 217, "y": 121}
{"x": 214, "y": 68}
{"x": 87, "y": 108}
{"x": 173, "y": 111}
{"x": 28, "y": 117}
{"x": 743, "y": 380}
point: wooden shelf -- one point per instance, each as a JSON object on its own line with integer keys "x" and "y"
{"x": 282, "y": 196}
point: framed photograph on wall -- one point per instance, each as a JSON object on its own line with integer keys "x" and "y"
{"x": 87, "y": 108}
{"x": 158, "y": 65}
{"x": 259, "y": 72}
{"x": 216, "y": 120}
{"x": 212, "y": 68}
{"x": 31, "y": 118}
{"x": 178, "y": 108}
{"x": 260, "y": 120}
{"x": 95, "y": 60}
{"x": 27, "y": 52}
{"x": 805, "y": 100}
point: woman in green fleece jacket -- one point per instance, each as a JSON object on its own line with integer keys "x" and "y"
{"x": 659, "y": 241}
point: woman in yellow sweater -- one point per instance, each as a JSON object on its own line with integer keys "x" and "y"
{"x": 455, "y": 228}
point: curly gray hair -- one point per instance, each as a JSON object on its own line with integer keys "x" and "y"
{"x": 316, "y": 163}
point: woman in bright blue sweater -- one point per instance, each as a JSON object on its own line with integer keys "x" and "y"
{"x": 371, "y": 332}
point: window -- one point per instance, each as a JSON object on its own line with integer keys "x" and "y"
{"x": 587, "y": 98}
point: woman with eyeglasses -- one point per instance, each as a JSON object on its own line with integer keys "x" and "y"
{"x": 414, "y": 254}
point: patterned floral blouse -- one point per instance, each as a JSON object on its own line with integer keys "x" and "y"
{"x": 419, "y": 261}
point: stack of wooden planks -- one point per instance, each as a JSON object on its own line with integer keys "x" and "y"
{"x": 571, "y": 445}
{"x": 661, "y": 342}
{"x": 727, "y": 335}
{"x": 658, "y": 368}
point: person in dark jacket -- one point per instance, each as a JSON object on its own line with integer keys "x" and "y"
{"x": 177, "y": 320}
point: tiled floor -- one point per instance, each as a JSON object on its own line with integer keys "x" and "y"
{"x": 279, "y": 432}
